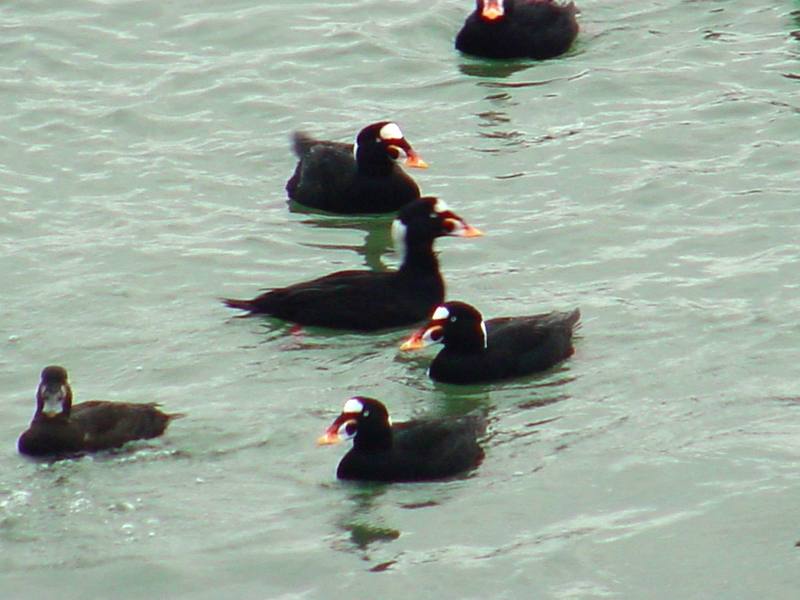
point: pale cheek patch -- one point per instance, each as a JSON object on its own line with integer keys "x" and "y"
{"x": 390, "y": 131}
{"x": 440, "y": 313}
{"x": 353, "y": 406}
{"x": 52, "y": 405}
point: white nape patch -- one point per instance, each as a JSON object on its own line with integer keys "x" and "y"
{"x": 390, "y": 131}
{"x": 399, "y": 236}
{"x": 485, "y": 335}
{"x": 440, "y": 313}
{"x": 353, "y": 406}
{"x": 355, "y": 148}
{"x": 440, "y": 206}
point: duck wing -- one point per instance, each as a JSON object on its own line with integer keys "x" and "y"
{"x": 112, "y": 424}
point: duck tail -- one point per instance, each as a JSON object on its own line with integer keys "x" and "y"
{"x": 573, "y": 318}
{"x": 301, "y": 143}
{"x": 240, "y": 304}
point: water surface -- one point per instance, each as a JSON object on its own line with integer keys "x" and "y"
{"x": 649, "y": 177}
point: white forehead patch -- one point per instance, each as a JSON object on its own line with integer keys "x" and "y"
{"x": 440, "y": 206}
{"x": 390, "y": 131}
{"x": 440, "y": 313}
{"x": 353, "y": 406}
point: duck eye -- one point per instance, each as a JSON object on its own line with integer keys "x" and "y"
{"x": 453, "y": 319}
{"x": 365, "y": 413}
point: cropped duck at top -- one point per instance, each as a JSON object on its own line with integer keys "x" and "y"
{"x": 366, "y": 300}
{"x": 61, "y": 429}
{"x": 536, "y": 29}
{"x": 478, "y": 351}
{"x": 418, "y": 450}
{"x": 355, "y": 178}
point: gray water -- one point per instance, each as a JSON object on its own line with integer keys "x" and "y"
{"x": 648, "y": 177}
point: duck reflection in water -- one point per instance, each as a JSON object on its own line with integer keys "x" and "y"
{"x": 377, "y": 238}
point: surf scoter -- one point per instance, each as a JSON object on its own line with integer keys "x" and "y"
{"x": 355, "y": 178}
{"x": 366, "y": 300}
{"x": 518, "y": 29}
{"x": 60, "y": 428}
{"x": 478, "y": 351}
{"x": 418, "y": 450}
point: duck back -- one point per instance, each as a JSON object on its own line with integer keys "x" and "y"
{"x": 420, "y": 451}
{"x": 327, "y": 177}
{"x": 93, "y": 426}
{"x": 536, "y": 29}
{"x": 516, "y": 346}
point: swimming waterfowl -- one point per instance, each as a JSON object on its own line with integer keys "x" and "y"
{"x": 366, "y": 300}
{"x": 60, "y": 428}
{"x": 518, "y": 29}
{"x": 355, "y": 178}
{"x": 418, "y": 450}
{"x": 477, "y": 351}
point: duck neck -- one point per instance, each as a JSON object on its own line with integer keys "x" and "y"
{"x": 41, "y": 417}
{"x": 466, "y": 340}
{"x": 471, "y": 345}
{"x": 373, "y": 163}
{"x": 419, "y": 256}
{"x": 373, "y": 440}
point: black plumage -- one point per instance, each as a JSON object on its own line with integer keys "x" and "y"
{"x": 419, "y": 450}
{"x": 355, "y": 178}
{"x": 518, "y": 29}
{"x": 476, "y": 351}
{"x": 61, "y": 429}
{"x": 366, "y": 300}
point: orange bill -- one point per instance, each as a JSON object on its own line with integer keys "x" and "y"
{"x": 414, "y": 160}
{"x": 430, "y": 334}
{"x": 460, "y": 228}
{"x": 415, "y": 342}
{"x": 492, "y": 10}
{"x": 331, "y": 436}
{"x": 470, "y": 231}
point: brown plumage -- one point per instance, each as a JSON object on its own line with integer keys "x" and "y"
{"x": 60, "y": 428}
